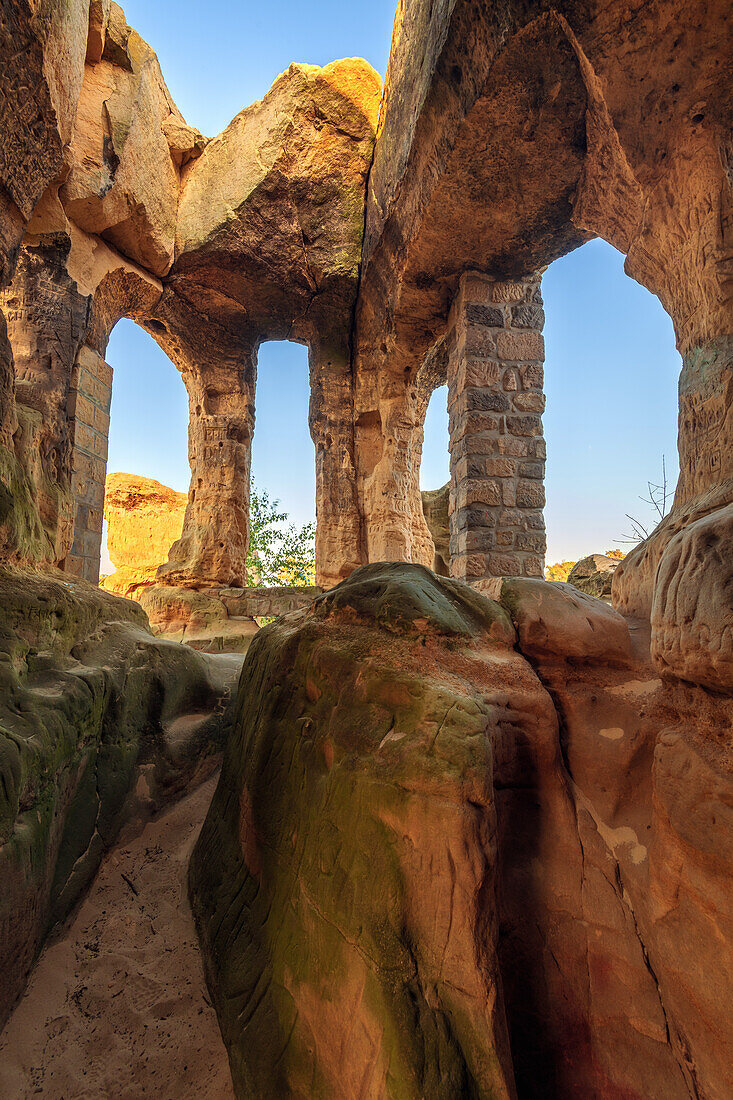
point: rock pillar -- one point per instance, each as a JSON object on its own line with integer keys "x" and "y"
{"x": 338, "y": 527}
{"x": 705, "y": 437}
{"x": 495, "y": 405}
{"x": 90, "y": 395}
{"x": 212, "y": 548}
{"x": 47, "y": 320}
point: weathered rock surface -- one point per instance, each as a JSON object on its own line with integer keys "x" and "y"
{"x": 692, "y": 614}
{"x": 594, "y": 575}
{"x": 459, "y": 848}
{"x": 129, "y": 212}
{"x": 268, "y": 243}
{"x": 505, "y": 141}
{"x": 123, "y": 181}
{"x": 42, "y": 50}
{"x": 88, "y": 701}
{"x": 144, "y": 519}
{"x": 219, "y": 620}
{"x": 435, "y": 509}
{"x": 341, "y": 966}
{"x": 201, "y": 619}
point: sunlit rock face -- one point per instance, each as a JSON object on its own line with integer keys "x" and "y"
{"x": 144, "y": 519}
{"x": 112, "y": 206}
{"x": 443, "y": 851}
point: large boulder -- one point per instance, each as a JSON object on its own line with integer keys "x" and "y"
{"x": 339, "y": 882}
{"x": 271, "y": 215}
{"x": 594, "y": 575}
{"x": 100, "y": 724}
{"x": 144, "y": 519}
{"x": 448, "y": 847}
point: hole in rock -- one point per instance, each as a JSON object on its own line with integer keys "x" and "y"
{"x": 435, "y": 475}
{"x": 283, "y": 461}
{"x": 148, "y": 427}
{"x": 611, "y": 373}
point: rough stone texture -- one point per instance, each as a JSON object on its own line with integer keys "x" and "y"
{"x": 46, "y": 319}
{"x": 268, "y": 243}
{"x": 532, "y": 884}
{"x": 144, "y": 519}
{"x": 435, "y": 503}
{"x": 219, "y": 620}
{"x": 430, "y": 849}
{"x": 507, "y": 138}
{"x": 594, "y": 575}
{"x": 495, "y": 405}
{"x": 201, "y": 619}
{"x": 88, "y": 700}
{"x": 337, "y": 965}
{"x": 692, "y": 613}
{"x": 123, "y": 180}
{"x": 42, "y": 49}
{"x": 151, "y": 222}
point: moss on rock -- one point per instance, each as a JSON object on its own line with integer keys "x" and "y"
{"x": 340, "y": 881}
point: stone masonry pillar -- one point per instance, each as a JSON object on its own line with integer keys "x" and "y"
{"x": 495, "y": 405}
{"x": 90, "y": 395}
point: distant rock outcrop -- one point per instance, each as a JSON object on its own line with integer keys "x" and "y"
{"x": 144, "y": 519}
{"x": 435, "y": 509}
{"x": 594, "y": 575}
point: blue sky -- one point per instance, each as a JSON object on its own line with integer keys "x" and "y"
{"x": 611, "y": 369}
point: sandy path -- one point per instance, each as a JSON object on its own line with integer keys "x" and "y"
{"x": 117, "y": 1005}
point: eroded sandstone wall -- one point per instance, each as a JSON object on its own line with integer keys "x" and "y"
{"x": 505, "y": 140}
{"x": 113, "y": 206}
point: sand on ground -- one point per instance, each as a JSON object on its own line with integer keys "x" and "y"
{"x": 117, "y": 1006}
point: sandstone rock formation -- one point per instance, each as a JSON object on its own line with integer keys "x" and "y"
{"x": 435, "y": 504}
{"x": 89, "y": 701}
{"x": 144, "y": 519}
{"x": 119, "y": 208}
{"x": 504, "y": 142}
{"x": 467, "y": 847}
{"x": 464, "y": 843}
{"x": 146, "y": 219}
{"x": 594, "y": 575}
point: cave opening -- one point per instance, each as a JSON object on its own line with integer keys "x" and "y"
{"x": 610, "y": 423}
{"x": 283, "y": 478}
{"x": 148, "y": 446}
{"x": 435, "y": 476}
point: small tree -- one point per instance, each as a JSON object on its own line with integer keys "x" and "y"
{"x": 658, "y": 497}
{"x": 278, "y": 555}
